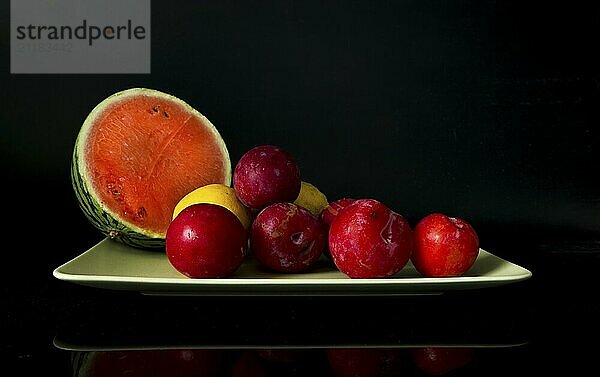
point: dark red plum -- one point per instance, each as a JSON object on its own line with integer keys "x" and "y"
{"x": 265, "y": 175}
{"x": 287, "y": 238}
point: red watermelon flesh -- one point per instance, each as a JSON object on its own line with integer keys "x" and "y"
{"x": 144, "y": 151}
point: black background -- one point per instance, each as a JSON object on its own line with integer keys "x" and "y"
{"x": 480, "y": 109}
{"x": 486, "y": 110}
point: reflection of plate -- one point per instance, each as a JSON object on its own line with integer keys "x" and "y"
{"x": 112, "y": 265}
{"x": 67, "y": 346}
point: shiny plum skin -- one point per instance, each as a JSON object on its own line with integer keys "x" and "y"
{"x": 206, "y": 241}
{"x": 368, "y": 240}
{"x": 444, "y": 246}
{"x": 330, "y": 212}
{"x": 265, "y": 175}
{"x": 287, "y": 238}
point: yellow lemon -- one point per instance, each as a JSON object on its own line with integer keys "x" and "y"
{"x": 311, "y": 198}
{"x": 218, "y": 194}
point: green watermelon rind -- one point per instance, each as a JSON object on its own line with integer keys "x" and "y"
{"x": 103, "y": 220}
{"x": 109, "y": 223}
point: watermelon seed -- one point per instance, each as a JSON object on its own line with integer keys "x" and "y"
{"x": 115, "y": 191}
{"x": 140, "y": 213}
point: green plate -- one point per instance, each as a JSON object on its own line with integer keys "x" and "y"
{"x": 112, "y": 265}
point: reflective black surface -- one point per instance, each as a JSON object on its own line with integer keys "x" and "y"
{"x": 542, "y": 324}
{"x": 482, "y": 109}
{"x": 415, "y": 361}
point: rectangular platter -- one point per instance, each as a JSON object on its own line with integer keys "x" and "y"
{"x": 112, "y": 265}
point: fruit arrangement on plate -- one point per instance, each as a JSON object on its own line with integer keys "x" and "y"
{"x": 152, "y": 172}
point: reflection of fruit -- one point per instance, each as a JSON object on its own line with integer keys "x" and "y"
{"x": 206, "y": 241}
{"x": 248, "y": 364}
{"x": 264, "y": 175}
{"x": 331, "y": 211}
{"x": 311, "y": 198}
{"x": 288, "y": 355}
{"x": 444, "y": 246}
{"x": 438, "y": 361}
{"x": 365, "y": 362}
{"x": 219, "y": 194}
{"x": 158, "y": 363}
{"x": 368, "y": 240}
{"x": 138, "y": 152}
{"x": 287, "y": 238}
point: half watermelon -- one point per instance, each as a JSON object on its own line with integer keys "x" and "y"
{"x": 137, "y": 154}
